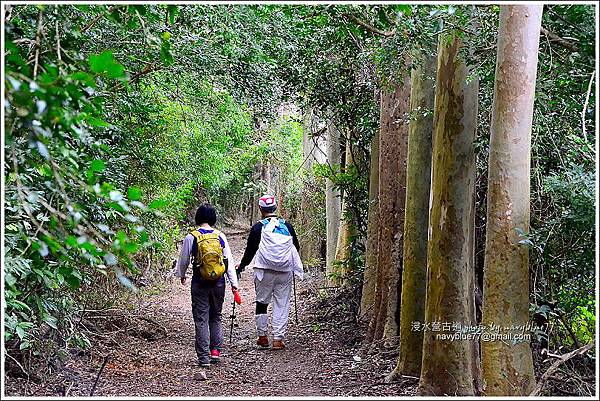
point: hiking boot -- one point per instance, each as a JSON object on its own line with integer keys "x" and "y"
{"x": 278, "y": 344}
{"x": 215, "y": 354}
{"x": 262, "y": 341}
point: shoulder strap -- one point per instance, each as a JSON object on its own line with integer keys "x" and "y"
{"x": 197, "y": 235}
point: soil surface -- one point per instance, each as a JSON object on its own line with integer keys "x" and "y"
{"x": 156, "y": 357}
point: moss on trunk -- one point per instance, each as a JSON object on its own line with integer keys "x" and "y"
{"x": 451, "y": 366}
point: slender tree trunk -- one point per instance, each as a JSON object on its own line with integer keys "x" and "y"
{"x": 416, "y": 223}
{"x": 508, "y": 365}
{"x": 392, "y": 324}
{"x": 371, "y": 253}
{"x": 310, "y": 244}
{"x": 345, "y": 229}
{"x": 450, "y": 367}
{"x": 332, "y": 197}
{"x": 394, "y": 104}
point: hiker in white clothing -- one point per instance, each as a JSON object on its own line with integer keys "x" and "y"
{"x": 273, "y": 246}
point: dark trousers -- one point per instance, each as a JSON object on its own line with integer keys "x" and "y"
{"x": 207, "y": 305}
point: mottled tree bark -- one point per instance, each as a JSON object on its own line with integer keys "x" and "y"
{"x": 450, "y": 367}
{"x": 372, "y": 248}
{"x": 416, "y": 222}
{"x": 508, "y": 365}
{"x": 394, "y": 104}
{"x": 392, "y": 323}
{"x": 332, "y": 197}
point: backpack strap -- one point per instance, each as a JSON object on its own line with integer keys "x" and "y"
{"x": 198, "y": 237}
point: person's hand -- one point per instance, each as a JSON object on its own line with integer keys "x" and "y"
{"x": 183, "y": 280}
{"x": 233, "y": 288}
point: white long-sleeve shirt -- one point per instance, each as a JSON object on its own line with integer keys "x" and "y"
{"x": 186, "y": 254}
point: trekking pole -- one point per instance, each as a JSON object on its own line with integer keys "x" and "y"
{"x": 295, "y": 297}
{"x": 232, "y": 320}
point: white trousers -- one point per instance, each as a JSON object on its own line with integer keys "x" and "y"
{"x": 276, "y": 287}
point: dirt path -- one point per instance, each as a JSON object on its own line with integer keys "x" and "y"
{"x": 320, "y": 358}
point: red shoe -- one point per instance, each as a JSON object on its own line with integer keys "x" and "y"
{"x": 215, "y": 354}
{"x": 262, "y": 341}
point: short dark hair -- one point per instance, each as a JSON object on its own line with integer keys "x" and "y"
{"x": 206, "y": 214}
{"x": 269, "y": 209}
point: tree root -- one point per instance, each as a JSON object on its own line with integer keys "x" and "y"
{"x": 564, "y": 358}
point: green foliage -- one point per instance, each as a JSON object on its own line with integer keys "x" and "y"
{"x": 65, "y": 220}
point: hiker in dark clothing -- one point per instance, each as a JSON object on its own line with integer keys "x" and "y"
{"x": 210, "y": 264}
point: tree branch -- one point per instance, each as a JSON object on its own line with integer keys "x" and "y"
{"x": 38, "y": 43}
{"x": 57, "y": 41}
{"x": 96, "y": 19}
{"x": 150, "y": 67}
{"x": 563, "y": 42}
{"x": 585, "y": 106}
{"x": 369, "y": 27}
{"x": 556, "y": 365}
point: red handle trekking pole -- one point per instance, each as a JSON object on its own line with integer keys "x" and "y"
{"x": 237, "y": 299}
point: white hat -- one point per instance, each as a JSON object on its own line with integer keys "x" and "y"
{"x": 267, "y": 201}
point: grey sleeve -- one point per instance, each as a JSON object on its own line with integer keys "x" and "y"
{"x": 184, "y": 259}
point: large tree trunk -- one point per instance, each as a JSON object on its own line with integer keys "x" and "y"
{"x": 332, "y": 197}
{"x": 416, "y": 223}
{"x": 371, "y": 254}
{"x": 451, "y": 367}
{"x": 392, "y": 324}
{"x": 394, "y": 104}
{"x": 508, "y": 365}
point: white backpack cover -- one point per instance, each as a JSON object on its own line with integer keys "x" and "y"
{"x": 276, "y": 251}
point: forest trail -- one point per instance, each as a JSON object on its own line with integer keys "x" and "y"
{"x": 319, "y": 359}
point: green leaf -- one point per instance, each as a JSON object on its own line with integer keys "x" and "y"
{"x": 115, "y": 70}
{"x": 165, "y": 53}
{"x": 20, "y": 332}
{"x": 105, "y": 63}
{"x": 130, "y": 247}
{"x": 84, "y": 77}
{"x": 73, "y": 282}
{"x": 97, "y": 122}
{"x": 42, "y": 149}
{"x": 158, "y": 204}
{"x": 97, "y": 165}
{"x": 172, "y": 11}
{"x": 134, "y": 193}
{"x": 9, "y": 279}
{"x": 51, "y": 321}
